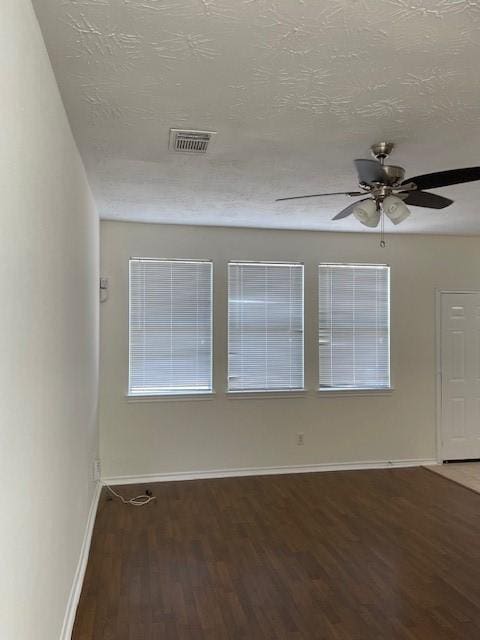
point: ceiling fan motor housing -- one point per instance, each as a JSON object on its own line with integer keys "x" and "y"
{"x": 393, "y": 174}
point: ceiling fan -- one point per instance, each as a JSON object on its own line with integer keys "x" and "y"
{"x": 389, "y": 193}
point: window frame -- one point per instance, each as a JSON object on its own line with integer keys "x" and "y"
{"x": 188, "y": 394}
{"x": 356, "y": 391}
{"x": 264, "y": 393}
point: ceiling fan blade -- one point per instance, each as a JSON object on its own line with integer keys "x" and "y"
{"x": 348, "y": 210}
{"x": 445, "y": 178}
{"x": 319, "y": 195}
{"x": 426, "y": 199}
{"x": 369, "y": 171}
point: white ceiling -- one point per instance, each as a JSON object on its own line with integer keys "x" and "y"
{"x": 295, "y": 88}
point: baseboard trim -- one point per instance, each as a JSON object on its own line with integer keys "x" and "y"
{"x": 76, "y": 589}
{"x": 265, "y": 471}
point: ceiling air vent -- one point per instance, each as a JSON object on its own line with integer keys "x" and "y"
{"x": 190, "y": 141}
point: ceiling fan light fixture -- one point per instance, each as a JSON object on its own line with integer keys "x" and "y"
{"x": 395, "y": 209}
{"x": 367, "y": 213}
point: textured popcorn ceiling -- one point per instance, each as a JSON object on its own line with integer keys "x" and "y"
{"x": 295, "y": 88}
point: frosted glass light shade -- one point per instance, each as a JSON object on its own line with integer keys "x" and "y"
{"x": 395, "y": 209}
{"x": 367, "y": 213}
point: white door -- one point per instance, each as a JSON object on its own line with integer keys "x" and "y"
{"x": 460, "y": 370}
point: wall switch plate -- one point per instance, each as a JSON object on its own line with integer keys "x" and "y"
{"x": 97, "y": 470}
{"x": 300, "y": 439}
{"x": 104, "y": 284}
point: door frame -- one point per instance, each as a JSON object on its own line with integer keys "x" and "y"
{"x": 438, "y": 363}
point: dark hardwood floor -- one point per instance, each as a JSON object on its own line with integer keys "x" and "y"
{"x": 387, "y": 555}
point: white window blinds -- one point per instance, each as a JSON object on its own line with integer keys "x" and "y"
{"x": 170, "y": 327}
{"x": 265, "y": 326}
{"x": 354, "y": 326}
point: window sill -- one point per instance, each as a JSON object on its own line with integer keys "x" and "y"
{"x": 282, "y": 393}
{"x": 332, "y": 393}
{"x": 173, "y": 397}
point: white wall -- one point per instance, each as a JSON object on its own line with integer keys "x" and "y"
{"x": 220, "y": 433}
{"x": 49, "y": 338}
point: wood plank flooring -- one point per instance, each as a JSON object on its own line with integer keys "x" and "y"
{"x": 359, "y": 555}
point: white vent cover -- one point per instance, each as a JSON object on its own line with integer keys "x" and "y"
{"x": 190, "y": 141}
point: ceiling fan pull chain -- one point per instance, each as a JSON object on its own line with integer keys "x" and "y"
{"x": 382, "y": 228}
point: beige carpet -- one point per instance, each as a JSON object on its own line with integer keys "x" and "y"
{"x": 464, "y": 473}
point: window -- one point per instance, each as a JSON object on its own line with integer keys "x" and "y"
{"x": 265, "y": 326}
{"x": 354, "y": 326}
{"x": 170, "y": 327}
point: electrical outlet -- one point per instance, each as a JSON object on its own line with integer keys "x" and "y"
{"x": 97, "y": 470}
{"x": 300, "y": 439}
